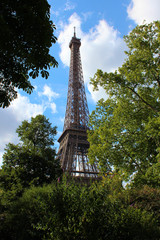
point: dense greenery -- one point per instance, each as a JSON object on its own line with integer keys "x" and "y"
{"x": 66, "y": 210}
{"x": 126, "y": 127}
{"x": 32, "y": 161}
{"x": 26, "y": 37}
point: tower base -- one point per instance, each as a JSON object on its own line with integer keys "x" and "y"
{"x": 73, "y": 154}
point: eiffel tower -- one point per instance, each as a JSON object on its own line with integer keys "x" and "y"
{"x": 73, "y": 141}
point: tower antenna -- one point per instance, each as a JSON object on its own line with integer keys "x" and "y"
{"x": 74, "y": 31}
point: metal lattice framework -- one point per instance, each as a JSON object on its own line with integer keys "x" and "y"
{"x": 73, "y": 141}
{"x": 77, "y": 112}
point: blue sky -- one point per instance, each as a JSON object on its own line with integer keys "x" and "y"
{"x": 101, "y": 26}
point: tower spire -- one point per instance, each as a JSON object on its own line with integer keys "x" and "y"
{"x": 74, "y": 31}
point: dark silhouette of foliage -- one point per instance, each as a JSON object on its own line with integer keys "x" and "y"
{"x": 65, "y": 211}
{"x": 26, "y": 37}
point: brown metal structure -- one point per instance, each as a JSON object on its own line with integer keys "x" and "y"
{"x": 73, "y": 141}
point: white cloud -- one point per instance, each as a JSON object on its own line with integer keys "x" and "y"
{"x": 96, "y": 95}
{"x": 22, "y": 108}
{"x": 69, "y": 6}
{"x": 66, "y": 35}
{"x": 86, "y": 15}
{"x": 101, "y": 48}
{"x": 19, "y": 110}
{"x": 53, "y": 107}
{"x": 47, "y": 91}
{"x": 140, "y": 10}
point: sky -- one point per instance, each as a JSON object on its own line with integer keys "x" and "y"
{"x": 101, "y": 26}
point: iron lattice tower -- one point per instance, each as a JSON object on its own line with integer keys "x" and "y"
{"x": 73, "y": 141}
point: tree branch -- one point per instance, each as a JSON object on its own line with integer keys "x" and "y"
{"x": 149, "y": 105}
{"x": 126, "y": 152}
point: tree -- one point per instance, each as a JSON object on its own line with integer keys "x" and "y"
{"x": 38, "y": 134}
{"x": 127, "y": 125}
{"x": 33, "y": 161}
{"x": 26, "y": 37}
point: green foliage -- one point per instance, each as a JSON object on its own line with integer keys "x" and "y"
{"x": 126, "y": 126}
{"x": 146, "y": 198}
{"x": 26, "y": 37}
{"x": 150, "y": 178}
{"x": 68, "y": 211}
{"x": 37, "y": 134}
{"x": 33, "y": 162}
